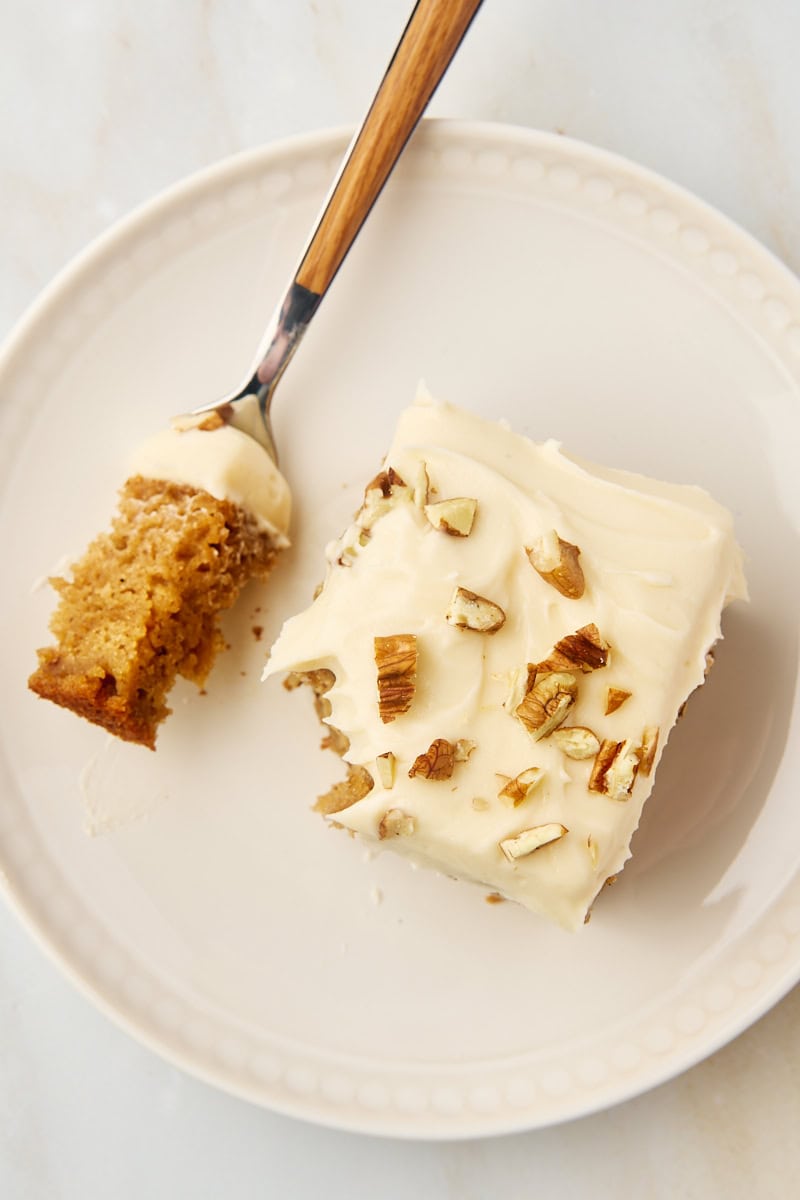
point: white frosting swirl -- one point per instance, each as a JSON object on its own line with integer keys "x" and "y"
{"x": 226, "y": 463}
{"x": 660, "y": 562}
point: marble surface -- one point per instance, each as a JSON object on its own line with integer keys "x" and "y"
{"x": 105, "y": 103}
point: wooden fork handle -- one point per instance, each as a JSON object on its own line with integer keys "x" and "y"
{"x": 431, "y": 38}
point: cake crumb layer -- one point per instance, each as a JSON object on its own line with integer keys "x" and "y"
{"x": 142, "y": 605}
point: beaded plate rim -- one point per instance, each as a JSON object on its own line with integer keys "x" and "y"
{"x": 435, "y": 1101}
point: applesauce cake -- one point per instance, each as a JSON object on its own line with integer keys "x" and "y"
{"x": 504, "y": 638}
{"x": 204, "y": 511}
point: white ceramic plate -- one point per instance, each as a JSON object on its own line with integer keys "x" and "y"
{"x": 526, "y": 276}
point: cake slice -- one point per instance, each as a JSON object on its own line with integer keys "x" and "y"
{"x": 503, "y": 641}
{"x": 204, "y": 511}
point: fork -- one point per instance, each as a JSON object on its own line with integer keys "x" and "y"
{"x": 433, "y": 34}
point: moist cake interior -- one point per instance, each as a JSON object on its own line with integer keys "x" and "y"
{"x": 142, "y": 605}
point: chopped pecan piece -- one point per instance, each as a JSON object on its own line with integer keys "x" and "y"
{"x": 384, "y": 765}
{"x": 520, "y": 787}
{"x": 546, "y": 702}
{"x": 381, "y": 495}
{"x": 615, "y": 698}
{"x": 384, "y": 482}
{"x": 396, "y": 823}
{"x": 648, "y": 749}
{"x": 420, "y": 486}
{"x": 583, "y": 650}
{"x": 557, "y": 562}
{"x": 614, "y": 770}
{"x": 528, "y": 840}
{"x": 468, "y": 610}
{"x": 463, "y": 748}
{"x": 576, "y": 741}
{"x": 455, "y": 516}
{"x": 436, "y": 763}
{"x": 604, "y": 758}
{"x": 396, "y": 660}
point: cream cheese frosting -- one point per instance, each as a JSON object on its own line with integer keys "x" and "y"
{"x": 223, "y": 461}
{"x": 659, "y": 563}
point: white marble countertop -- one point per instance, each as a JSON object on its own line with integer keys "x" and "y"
{"x": 105, "y": 103}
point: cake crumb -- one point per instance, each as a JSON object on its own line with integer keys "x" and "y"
{"x": 172, "y": 561}
{"x": 258, "y": 631}
{"x": 376, "y": 896}
{"x": 494, "y": 898}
